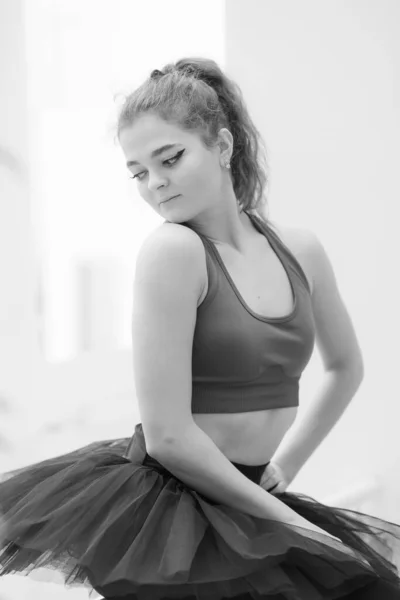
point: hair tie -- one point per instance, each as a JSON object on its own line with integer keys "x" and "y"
{"x": 156, "y": 74}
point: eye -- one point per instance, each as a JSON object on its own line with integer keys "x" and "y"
{"x": 165, "y": 162}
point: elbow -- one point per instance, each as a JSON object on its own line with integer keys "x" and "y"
{"x": 353, "y": 370}
{"x": 361, "y": 371}
{"x": 168, "y": 444}
{"x": 157, "y": 449}
{"x": 166, "y": 451}
{"x": 357, "y": 368}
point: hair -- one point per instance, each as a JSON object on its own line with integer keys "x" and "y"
{"x": 196, "y": 95}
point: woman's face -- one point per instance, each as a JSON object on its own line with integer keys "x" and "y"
{"x": 187, "y": 169}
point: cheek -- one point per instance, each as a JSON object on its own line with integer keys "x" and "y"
{"x": 198, "y": 175}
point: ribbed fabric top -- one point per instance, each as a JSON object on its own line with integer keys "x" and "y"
{"x": 243, "y": 361}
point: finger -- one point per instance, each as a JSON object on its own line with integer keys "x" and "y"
{"x": 268, "y": 483}
{"x": 273, "y": 487}
{"x": 280, "y": 488}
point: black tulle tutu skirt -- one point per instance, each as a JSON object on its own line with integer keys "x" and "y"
{"x": 111, "y": 518}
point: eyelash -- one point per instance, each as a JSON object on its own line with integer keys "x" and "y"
{"x": 176, "y": 158}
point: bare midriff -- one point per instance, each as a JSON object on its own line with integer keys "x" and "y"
{"x": 249, "y": 438}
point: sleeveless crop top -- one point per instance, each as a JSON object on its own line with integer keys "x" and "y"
{"x": 243, "y": 361}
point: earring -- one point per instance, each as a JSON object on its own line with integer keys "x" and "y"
{"x": 228, "y": 166}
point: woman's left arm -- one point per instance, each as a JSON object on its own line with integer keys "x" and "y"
{"x": 341, "y": 356}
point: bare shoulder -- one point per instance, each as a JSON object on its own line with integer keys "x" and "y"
{"x": 174, "y": 234}
{"x": 171, "y": 242}
{"x": 303, "y": 243}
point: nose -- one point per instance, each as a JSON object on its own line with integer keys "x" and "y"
{"x": 156, "y": 181}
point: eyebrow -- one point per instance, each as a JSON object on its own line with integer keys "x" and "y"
{"x": 155, "y": 153}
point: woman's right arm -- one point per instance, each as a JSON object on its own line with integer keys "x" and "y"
{"x": 167, "y": 288}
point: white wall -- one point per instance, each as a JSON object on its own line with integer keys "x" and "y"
{"x": 18, "y": 334}
{"x": 66, "y": 201}
{"x": 65, "y": 334}
{"x": 322, "y": 81}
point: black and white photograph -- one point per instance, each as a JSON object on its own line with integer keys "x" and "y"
{"x": 199, "y": 300}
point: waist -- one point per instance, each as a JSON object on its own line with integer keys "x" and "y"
{"x": 253, "y": 472}
{"x": 249, "y": 438}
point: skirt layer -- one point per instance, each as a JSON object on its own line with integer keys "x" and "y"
{"x": 109, "y": 517}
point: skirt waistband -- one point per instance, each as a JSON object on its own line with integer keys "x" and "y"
{"x": 253, "y": 472}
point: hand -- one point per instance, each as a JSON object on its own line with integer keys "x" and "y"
{"x": 273, "y": 479}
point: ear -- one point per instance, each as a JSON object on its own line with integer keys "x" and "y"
{"x": 225, "y": 143}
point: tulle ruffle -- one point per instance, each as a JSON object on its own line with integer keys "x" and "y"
{"x": 110, "y": 517}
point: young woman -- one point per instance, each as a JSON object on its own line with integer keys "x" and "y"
{"x": 227, "y": 309}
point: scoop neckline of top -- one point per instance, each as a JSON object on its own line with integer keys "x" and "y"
{"x": 275, "y": 249}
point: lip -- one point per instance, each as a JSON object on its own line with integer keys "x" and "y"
{"x": 168, "y": 199}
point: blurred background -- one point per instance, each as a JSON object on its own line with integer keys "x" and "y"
{"x": 322, "y": 82}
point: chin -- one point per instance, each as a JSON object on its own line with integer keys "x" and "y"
{"x": 174, "y": 215}
{"x": 176, "y": 219}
